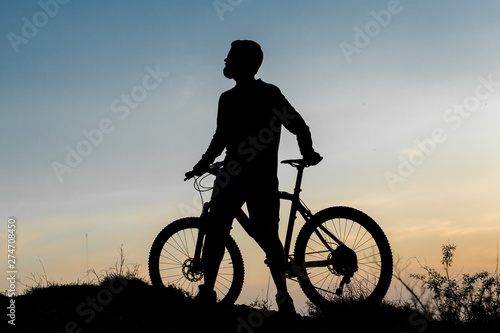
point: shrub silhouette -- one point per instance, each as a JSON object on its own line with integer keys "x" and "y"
{"x": 469, "y": 298}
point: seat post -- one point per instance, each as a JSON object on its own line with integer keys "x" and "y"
{"x": 298, "y": 181}
{"x": 293, "y": 211}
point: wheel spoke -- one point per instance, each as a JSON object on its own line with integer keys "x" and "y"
{"x": 343, "y": 254}
{"x": 172, "y": 262}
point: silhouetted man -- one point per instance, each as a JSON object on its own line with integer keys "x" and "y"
{"x": 249, "y": 120}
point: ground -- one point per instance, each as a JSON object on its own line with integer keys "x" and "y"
{"x": 132, "y": 305}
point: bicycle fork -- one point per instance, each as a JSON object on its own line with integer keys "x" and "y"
{"x": 197, "y": 259}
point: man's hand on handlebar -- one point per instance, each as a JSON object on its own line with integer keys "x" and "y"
{"x": 192, "y": 173}
{"x": 189, "y": 175}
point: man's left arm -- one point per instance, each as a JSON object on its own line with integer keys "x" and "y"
{"x": 294, "y": 123}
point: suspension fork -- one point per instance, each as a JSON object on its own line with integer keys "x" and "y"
{"x": 201, "y": 235}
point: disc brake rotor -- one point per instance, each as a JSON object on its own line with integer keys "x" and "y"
{"x": 191, "y": 271}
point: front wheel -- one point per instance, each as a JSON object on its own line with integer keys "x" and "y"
{"x": 343, "y": 255}
{"x": 172, "y": 262}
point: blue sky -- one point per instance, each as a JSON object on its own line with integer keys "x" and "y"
{"x": 370, "y": 112}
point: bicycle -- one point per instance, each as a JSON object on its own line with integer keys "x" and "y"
{"x": 340, "y": 253}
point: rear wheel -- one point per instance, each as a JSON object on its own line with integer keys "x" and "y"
{"x": 171, "y": 262}
{"x": 343, "y": 255}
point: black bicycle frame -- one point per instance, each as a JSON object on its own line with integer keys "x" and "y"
{"x": 297, "y": 206}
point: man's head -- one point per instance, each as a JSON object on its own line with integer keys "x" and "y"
{"x": 243, "y": 60}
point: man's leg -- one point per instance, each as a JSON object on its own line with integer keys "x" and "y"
{"x": 226, "y": 200}
{"x": 277, "y": 263}
{"x": 263, "y": 206}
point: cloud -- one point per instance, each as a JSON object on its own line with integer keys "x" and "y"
{"x": 444, "y": 229}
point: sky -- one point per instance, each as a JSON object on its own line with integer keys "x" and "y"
{"x": 105, "y": 105}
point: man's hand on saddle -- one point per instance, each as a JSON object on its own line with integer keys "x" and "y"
{"x": 312, "y": 158}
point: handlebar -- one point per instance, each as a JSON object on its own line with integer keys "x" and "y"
{"x": 212, "y": 169}
{"x": 304, "y": 163}
{"x": 189, "y": 175}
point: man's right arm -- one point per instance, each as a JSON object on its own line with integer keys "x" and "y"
{"x": 216, "y": 146}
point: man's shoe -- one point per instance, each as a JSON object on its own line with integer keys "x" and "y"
{"x": 285, "y": 304}
{"x": 206, "y": 296}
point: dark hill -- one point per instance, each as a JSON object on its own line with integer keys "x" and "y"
{"x": 131, "y": 305}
